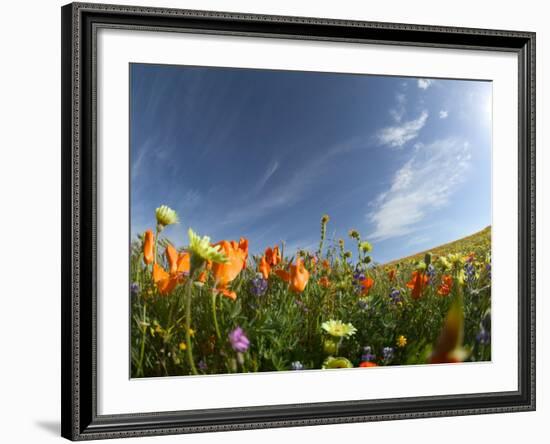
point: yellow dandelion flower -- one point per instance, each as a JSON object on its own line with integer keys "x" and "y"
{"x": 183, "y": 346}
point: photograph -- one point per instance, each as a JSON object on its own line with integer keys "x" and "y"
{"x": 299, "y": 220}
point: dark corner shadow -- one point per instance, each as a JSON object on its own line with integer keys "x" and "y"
{"x": 54, "y": 427}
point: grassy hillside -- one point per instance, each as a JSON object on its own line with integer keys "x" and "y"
{"x": 474, "y": 243}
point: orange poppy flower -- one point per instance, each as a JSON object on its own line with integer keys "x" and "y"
{"x": 225, "y": 273}
{"x": 178, "y": 263}
{"x": 366, "y": 285}
{"x": 243, "y": 246}
{"x": 324, "y": 282}
{"x": 273, "y": 255}
{"x": 325, "y": 264}
{"x": 283, "y": 274}
{"x": 203, "y": 276}
{"x": 446, "y": 285}
{"x": 148, "y": 247}
{"x": 368, "y": 364}
{"x": 264, "y": 267}
{"x": 164, "y": 281}
{"x": 391, "y": 274}
{"x": 417, "y": 284}
{"x": 297, "y": 277}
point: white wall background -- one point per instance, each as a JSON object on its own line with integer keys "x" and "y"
{"x": 30, "y": 219}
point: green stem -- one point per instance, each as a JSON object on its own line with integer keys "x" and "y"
{"x": 215, "y": 316}
{"x": 143, "y": 333}
{"x": 156, "y": 245}
{"x": 188, "y": 327}
{"x": 338, "y": 344}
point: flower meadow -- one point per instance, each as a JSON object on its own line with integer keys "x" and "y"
{"x": 209, "y": 307}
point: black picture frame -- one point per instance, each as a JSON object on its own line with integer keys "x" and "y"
{"x": 80, "y": 22}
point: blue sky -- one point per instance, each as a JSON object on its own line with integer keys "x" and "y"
{"x": 264, "y": 154}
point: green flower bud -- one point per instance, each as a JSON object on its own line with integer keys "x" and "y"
{"x": 166, "y": 216}
{"x": 339, "y": 362}
{"x": 366, "y": 246}
{"x": 330, "y": 347}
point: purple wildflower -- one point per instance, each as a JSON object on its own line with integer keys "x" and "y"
{"x": 301, "y": 305}
{"x": 470, "y": 271}
{"x": 483, "y": 337}
{"x": 202, "y": 365}
{"x": 358, "y": 277}
{"x": 387, "y": 353}
{"x": 258, "y": 285}
{"x": 367, "y": 354}
{"x": 297, "y": 365}
{"x": 239, "y": 341}
{"x": 430, "y": 272}
{"x": 134, "y": 289}
{"x": 395, "y": 295}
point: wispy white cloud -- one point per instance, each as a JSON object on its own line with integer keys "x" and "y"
{"x": 139, "y": 159}
{"x": 424, "y": 83}
{"x": 397, "y": 135}
{"x": 399, "y": 110}
{"x": 443, "y": 114}
{"x": 423, "y": 184}
{"x": 272, "y": 167}
{"x": 292, "y": 190}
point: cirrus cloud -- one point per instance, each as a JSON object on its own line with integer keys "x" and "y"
{"x": 423, "y": 184}
{"x": 398, "y": 135}
{"x": 424, "y": 83}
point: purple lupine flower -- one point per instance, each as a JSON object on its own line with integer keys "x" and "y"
{"x": 258, "y": 285}
{"x": 358, "y": 277}
{"x": 483, "y": 337}
{"x": 202, "y": 365}
{"x": 488, "y": 269}
{"x": 395, "y": 295}
{"x": 430, "y": 272}
{"x": 387, "y": 353}
{"x": 367, "y": 354}
{"x": 134, "y": 289}
{"x": 239, "y": 341}
{"x": 297, "y": 365}
{"x": 301, "y": 305}
{"x": 470, "y": 271}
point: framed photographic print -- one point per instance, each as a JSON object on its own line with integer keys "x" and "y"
{"x": 278, "y": 221}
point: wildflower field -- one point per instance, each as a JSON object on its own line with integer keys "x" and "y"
{"x": 209, "y": 307}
